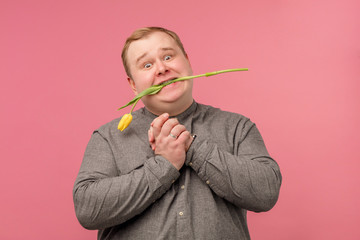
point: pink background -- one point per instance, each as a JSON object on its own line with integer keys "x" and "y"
{"x": 62, "y": 77}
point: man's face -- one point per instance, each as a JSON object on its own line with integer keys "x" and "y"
{"x": 156, "y": 59}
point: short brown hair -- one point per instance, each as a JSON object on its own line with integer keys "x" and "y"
{"x": 142, "y": 33}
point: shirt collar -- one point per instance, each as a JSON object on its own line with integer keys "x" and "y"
{"x": 180, "y": 117}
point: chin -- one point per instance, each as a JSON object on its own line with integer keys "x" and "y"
{"x": 171, "y": 97}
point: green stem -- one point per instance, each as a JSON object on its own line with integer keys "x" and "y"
{"x": 156, "y": 88}
{"x": 204, "y": 75}
{"x": 134, "y": 105}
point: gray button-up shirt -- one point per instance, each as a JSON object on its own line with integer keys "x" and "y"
{"x": 127, "y": 192}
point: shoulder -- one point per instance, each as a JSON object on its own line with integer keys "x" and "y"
{"x": 139, "y": 124}
{"x": 215, "y": 118}
{"x": 215, "y": 113}
{"x": 108, "y": 129}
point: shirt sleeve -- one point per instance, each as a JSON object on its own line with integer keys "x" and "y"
{"x": 249, "y": 178}
{"x": 105, "y": 198}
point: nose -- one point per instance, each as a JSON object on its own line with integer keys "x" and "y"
{"x": 161, "y": 67}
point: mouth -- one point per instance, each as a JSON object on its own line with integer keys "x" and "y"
{"x": 167, "y": 81}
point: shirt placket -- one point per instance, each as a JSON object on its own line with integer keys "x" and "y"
{"x": 183, "y": 214}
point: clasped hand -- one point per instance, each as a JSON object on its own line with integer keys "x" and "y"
{"x": 170, "y": 139}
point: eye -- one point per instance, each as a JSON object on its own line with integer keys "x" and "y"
{"x": 147, "y": 65}
{"x": 167, "y": 57}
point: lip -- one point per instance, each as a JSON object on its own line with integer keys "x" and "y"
{"x": 169, "y": 79}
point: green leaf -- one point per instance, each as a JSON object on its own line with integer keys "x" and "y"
{"x": 149, "y": 91}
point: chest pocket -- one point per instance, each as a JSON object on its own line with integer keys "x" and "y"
{"x": 133, "y": 157}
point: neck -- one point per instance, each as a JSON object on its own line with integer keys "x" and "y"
{"x": 173, "y": 109}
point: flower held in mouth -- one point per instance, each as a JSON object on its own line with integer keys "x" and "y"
{"x": 127, "y": 118}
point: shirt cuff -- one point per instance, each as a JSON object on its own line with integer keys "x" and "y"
{"x": 164, "y": 171}
{"x": 196, "y": 155}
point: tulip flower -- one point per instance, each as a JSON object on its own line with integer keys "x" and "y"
{"x": 125, "y": 121}
{"x": 127, "y": 118}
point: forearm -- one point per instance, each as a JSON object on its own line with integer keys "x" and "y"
{"x": 104, "y": 198}
{"x": 249, "y": 179}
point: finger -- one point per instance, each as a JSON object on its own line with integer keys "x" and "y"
{"x": 158, "y": 122}
{"x": 168, "y": 126}
{"x": 151, "y": 135}
{"x": 153, "y": 146}
{"x": 151, "y": 138}
{"x": 184, "y": 138}
{"x": 177, "y": 130}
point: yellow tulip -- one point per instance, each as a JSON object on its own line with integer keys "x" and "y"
{"x": 157, "y": 88}
{"x": 125, "y": 121}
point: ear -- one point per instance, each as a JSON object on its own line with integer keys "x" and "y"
{"x": 132, "y": 85}
{"x": 187, "y": 57}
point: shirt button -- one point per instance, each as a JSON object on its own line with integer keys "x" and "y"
{"x": 190, "y": 163}
{"x": 182, "y": 187}
{"x": 172, "y": 181}
{"x": 181, "y": 213}
{"x": 208, "y": 182}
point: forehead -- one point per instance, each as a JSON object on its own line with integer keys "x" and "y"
{"x": 152, "y": 43}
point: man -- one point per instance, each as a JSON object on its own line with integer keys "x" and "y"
{"x": 155, "y": 180}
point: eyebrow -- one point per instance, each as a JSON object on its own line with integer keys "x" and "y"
{"x": 141, "y": 57}
{"x": 167, "y": 48}
{"x": 145, "y": 54}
